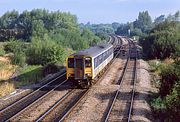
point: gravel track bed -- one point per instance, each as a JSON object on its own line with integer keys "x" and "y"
{"x": 113, "y": 73}
{"x": 60, "y": 110}
{"x": 4, "y": 102}
{"x": 42, "y": 106}
{"x": 93, "y": 106}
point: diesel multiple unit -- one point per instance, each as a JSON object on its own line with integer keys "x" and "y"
{"x": 85, "y": 66}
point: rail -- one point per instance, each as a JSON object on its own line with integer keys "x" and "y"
{"x": 6, "y": 113}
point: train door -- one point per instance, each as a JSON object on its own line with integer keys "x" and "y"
{"x": 79, "y": 68}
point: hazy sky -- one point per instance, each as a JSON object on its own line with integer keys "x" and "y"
{"x": 97, "y": 11}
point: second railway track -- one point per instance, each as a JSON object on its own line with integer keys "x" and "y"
{"x": 18, "y": 106}
{"x": 120, "y": 107}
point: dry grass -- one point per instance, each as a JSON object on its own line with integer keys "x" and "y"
{"x": 168, "y": 61}
{"x": 6, "y": 88}
{"x": 6, "y": 70}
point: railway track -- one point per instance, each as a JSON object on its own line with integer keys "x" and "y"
{"x": 64, "y": 106}
{"x": 114, "y": 113}
{"x": 14, "y": 109}
{"x": 57, "y": 112}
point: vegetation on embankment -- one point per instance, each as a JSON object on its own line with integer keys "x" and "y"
{"x": 161, "y": 43}
{"x": 35, "y": 42}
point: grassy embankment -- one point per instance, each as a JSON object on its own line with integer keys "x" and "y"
{"x": 28, "y": 75}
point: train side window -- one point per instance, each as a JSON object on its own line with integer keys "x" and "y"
{"x": 104, "y": 56}
{"x": 100, "y": 59}
{"x": 95, "y": 62}
{"x": 87, "y": 62}
{"x": 70, "y": 62}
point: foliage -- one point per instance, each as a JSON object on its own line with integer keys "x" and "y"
{"x": 168, "y": 108}
{"x": 140, "y": 27}
{"x": 18, "y": 49}
{"x": 44, "y": 51}
{"x": 100, "y": 28}
{"x": 170, "y": 74}
{"x": 29, "y": 75}
{"x": 59, "y": 26}
{"x": 18, "y": 59}
{"x": 163, "y": 41}
{"x": 15, "y": 46}
{"x": 143, "y": 22}
{"x": 52, "y": 68}
{"x": 159, "y": 19}
{"x": 2, "y": 51}
{"x": 173, "y": 104}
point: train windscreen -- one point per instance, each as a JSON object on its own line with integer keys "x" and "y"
{"x": 70, "y": 62}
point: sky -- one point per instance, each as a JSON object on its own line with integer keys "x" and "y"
{"x": 97, "y": 11}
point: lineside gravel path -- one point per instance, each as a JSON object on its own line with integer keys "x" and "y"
{"x": 141, "y": 109}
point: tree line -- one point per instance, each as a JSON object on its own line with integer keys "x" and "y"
{"x": 50, "y": 35}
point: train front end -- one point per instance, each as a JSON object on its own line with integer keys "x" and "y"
{"x": 79, "y": 70}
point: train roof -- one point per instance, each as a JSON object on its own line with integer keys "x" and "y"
{"x": 93, "y": 51}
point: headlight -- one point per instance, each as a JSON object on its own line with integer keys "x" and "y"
{"x": 71, "y": 75}
{"x": 88, "y": 74}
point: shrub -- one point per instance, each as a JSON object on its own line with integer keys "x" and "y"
{"x": 45, "y": 51}
{"x": 2, "y": 52}
{"x": 169, "y": 75}
{"x": 15, "y": 46}
{"x": 51, "y": 68}
{"x": 18, "y": 59}
{"x": 173, "y": 104}
{"x": 159, "y": 108}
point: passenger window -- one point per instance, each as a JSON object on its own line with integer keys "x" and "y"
{"x": 104, "y": 55}
{"x": 95, "y": 62}
{"x": 87, "y": 62}
{"x": 70, "y": 62}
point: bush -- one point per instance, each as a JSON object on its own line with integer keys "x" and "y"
{"x": 2, "y": 52}
{"x": 44, "y": 52}
{"x": 18, "y": 59}
{"x": 173, "y": 104}
{"x": 169, "y": 74}
{"x": 15, "y": 46}
{"x": 51, "y": 68}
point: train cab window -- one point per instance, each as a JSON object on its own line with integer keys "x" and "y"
{"x": 70, "y": 62}
{"x": 87, "y": 62}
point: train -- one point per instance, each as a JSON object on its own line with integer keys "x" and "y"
{"x": 83, "y": 67}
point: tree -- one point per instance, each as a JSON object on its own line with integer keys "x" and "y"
{"x": 143, "y": 22}
{"x": 159, "y": 19}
